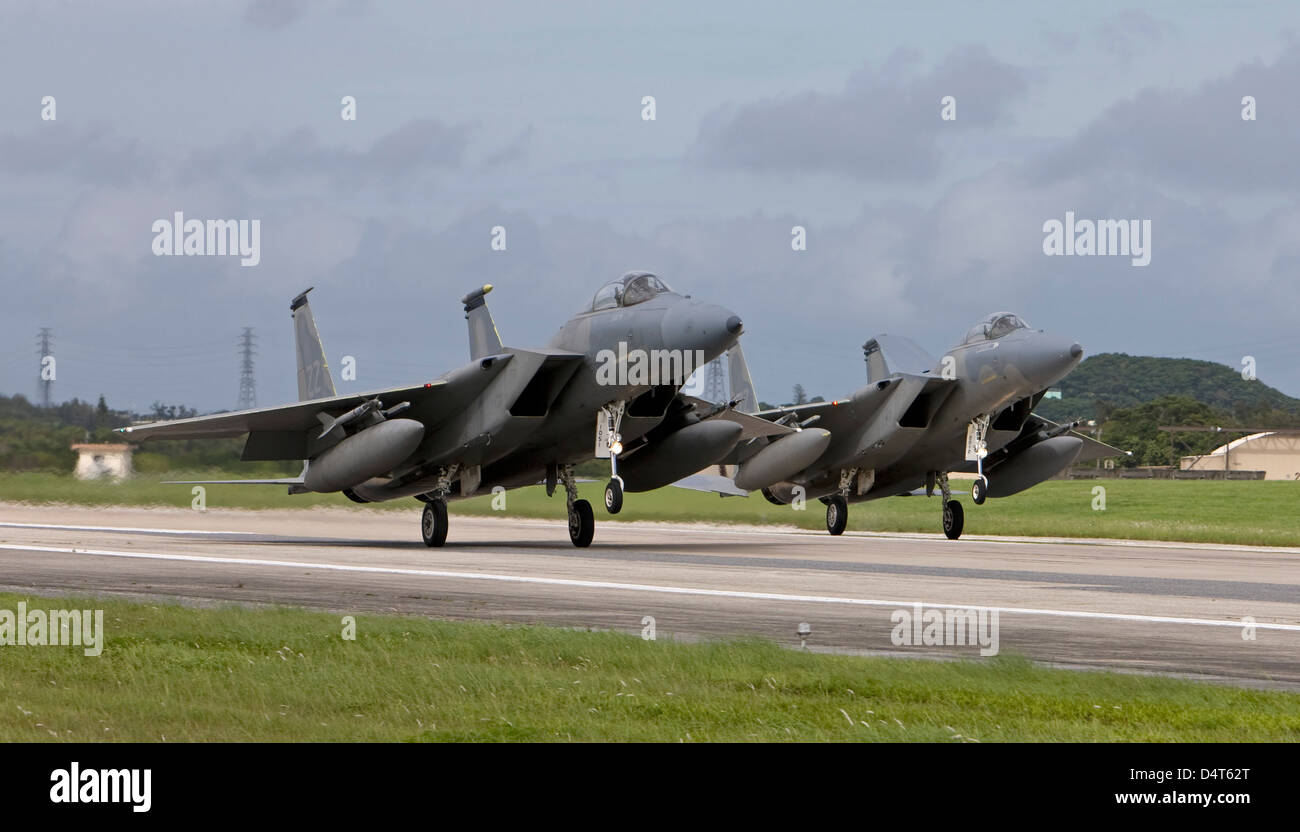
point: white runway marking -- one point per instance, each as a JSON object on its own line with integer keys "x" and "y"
{"x": 136, "y": 529}
{"x": 754, "y": 531}
{"x": 626, "y": 587}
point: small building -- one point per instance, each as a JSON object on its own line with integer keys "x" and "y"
{"x": 95, "y": 461}
{"x": 1276, "y": 454}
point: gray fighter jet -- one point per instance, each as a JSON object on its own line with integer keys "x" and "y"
{"x": 916, "y": 421}
{"x": 606, "y": 386}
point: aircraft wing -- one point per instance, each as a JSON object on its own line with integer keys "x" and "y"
{"x": 299, "y": 416}
{"x": 751, "y": 424}
{"x": 1092, "y": 449}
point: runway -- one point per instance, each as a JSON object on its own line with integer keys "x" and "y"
{"x": 1167, "y": 608}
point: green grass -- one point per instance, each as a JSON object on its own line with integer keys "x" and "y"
{"x": 184, "y": 674}
{"x": 1246, "y": 512}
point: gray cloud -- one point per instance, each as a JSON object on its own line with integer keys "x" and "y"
{"x": 90, "y": 152}
{"x": 1195, "y": 138}
{"x": 1124, "y": 35}
{"x": 883, "y": 126}
{"x": 417, "y": 146}
{"x": 274, "y": 14}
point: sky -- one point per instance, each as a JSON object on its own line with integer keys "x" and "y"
{"x": 530, "y": 117}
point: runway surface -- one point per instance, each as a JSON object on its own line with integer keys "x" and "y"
{"x": 1167, "y": 608}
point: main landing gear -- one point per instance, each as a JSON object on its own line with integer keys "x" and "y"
{"x": 837, "y": 505}
{"x": 837, "y": 514}
{"x": 953, "y": 516}
{"x": 582, "y": 522}
{"x": 433, "y": 521}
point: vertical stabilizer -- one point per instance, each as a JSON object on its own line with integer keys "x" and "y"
{"x": 483, "y": 336}
{"x": 314, "y": 380}
{"x": 742, "y": 386}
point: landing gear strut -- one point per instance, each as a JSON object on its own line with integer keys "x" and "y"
{"x": 837, "y": 505}
{"x": 976, "y": 450}
{"x": 613, "y": 418}
{"x": 953, "y": 516}
{"x": 433, "y": 521}
{"x": 582, "y": 522}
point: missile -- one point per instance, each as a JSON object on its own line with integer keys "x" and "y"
{"x": 782, "y": 459}
{"x": 679, "y": 454}
{"x": 368, "y": 453}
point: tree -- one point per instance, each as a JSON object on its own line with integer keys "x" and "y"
{"x": 800, "y": 396}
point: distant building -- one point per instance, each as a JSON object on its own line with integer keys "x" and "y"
{"x": 1054, "y": 393}
{"x": 95, "y": 461}
{"x": 1276, "y": 454}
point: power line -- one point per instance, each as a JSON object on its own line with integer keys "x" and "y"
{"x": 46, "y": 369}
{"x": 247, "y": 386}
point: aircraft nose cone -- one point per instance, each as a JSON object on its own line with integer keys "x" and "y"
{"x": 701, "y": 326}
{"x": 1047, "y": 359}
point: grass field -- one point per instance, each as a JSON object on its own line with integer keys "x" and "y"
{"x": 182, "y": 674}
{"x": 1246, "y": 512}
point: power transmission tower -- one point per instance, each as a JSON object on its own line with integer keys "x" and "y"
{"x": 45, "y": 372}
{"x": 247, "y": 386}
{"x": 715, "y": 389}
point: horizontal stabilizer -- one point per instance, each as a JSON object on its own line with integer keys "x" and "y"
{"x": 715, "y": 483}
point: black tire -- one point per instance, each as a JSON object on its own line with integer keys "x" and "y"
{"x": 433, "y": 523}
{"x": 837, "y": 515}
{"x": 979, "y": 491}
{"x": 614, "y": 497}
{"x": 582, "y": 524}
{"x": 953, "y": 519}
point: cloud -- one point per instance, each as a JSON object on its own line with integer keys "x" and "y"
{"x": 92, "y": 153}
{"x": 274, "y": 15}
{"x": 884, "y": 126}
{"x": 418, "y": 146}
{"x": 1124, "y": 35}
{"x": 1195, "y": 138}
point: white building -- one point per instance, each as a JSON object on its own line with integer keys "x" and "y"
{"x": 1276, "y": 454}
{"x": 102, "y": 460}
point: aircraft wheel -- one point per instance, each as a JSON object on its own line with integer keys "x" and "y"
{"x": 979, "y": 491}
{"x": 582, "y": 524}
{"x": 953, "y": 519}
{"x": 433, "y": 523}
{"x": 837, "y": 514}
{"x": 614, "y": 497}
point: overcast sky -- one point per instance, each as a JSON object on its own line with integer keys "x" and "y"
{"x": 529, "y": 116}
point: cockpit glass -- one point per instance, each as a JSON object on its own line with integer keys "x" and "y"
{"x": 642, "y": 287}
{"x": 633, "y": 287}
{"x": 609, "y": 296}
{"x": 995, "y": 326}
{"x": 1005, "y": 324}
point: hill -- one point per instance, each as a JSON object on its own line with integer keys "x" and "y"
{"x": 1109, "y": 381}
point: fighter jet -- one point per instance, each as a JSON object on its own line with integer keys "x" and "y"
{"x": 916, "y": 421}
{"x": 606, "y": 386}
